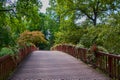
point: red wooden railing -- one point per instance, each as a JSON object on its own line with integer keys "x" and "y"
{"x": 108, "y": 63}
{"x": 9, "y": 63}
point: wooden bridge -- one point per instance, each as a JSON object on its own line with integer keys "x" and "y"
{"x": 55, "y": 65}
{"x": 67, "y": 63}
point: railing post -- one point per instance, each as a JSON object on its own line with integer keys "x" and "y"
{"x": 85, "y": 53}
{"x": 110, "y": 65}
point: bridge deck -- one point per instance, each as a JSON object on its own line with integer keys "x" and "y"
{"x": 55, "y": 65}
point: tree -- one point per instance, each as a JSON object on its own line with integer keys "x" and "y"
{"x": 52, "y": 21}
{"x": 17, "y": 16}
{"x": 92, "y": 9}
{"x": 114, "y": 19}
{"x": 28, "y": 11}
{"x": 6, "y": 38}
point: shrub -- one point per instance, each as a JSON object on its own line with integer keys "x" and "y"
{"x": 35, "y": 37}
{"x": 80, "y": 46}
{"x": 102, "y": 49}
{"x": 90, "y": 37}
{"x": 6, "y": 51}
{"x": 112, "y": 41}
{"x": 5, "y": 36}
{"x": 69, "y": 36}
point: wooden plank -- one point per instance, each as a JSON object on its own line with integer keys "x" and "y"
{"x": 55, "y": 65}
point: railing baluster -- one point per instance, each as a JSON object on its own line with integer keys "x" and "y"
{"x": 108, "y": 63}
{"x": 7, "y": 64}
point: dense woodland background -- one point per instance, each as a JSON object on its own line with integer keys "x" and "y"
{"x": 79, "y": 22}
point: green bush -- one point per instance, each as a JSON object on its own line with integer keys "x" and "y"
{"x": 112, "y": 40}
{"x": 6, "y": 51}
{"x": 90, "y": 36}
{"x": 80, "y": 46}
{"x": 69, "y": 36}
{"x": 102, "y": 49}
{"x": 105, "y": 36}
{"x": 5, "y": 37}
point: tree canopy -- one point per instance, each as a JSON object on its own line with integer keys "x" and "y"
{"x": 94, "y": 10}
{"x": 82, "y": 22}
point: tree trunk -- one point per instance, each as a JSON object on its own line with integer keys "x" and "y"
{"x": 95, "y": 22}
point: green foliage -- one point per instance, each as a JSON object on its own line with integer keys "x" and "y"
{"x": 113, "y": 40}
{"x": 80, "y": 46}
{"x": 6, "y": 51}
{"x": 104, "y": 36}
{"x": 5, "y": 37}
{"x": 52, "y": 21}
{"x": 90, "y": 36}
{"x": 58, "y": 24}
{"x": 97, "y": 8}
{"x": 69, "y": 36}
{"x": 28, "y": 13}
{"x": 102, "y": 49}
{"x": 15, "y": 48}
{"x": 24, "y": 15}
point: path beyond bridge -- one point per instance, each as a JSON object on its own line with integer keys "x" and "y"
{"x": 55, "y": 65}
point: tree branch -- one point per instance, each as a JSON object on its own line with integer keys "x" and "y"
{"x": 6, "y": 10}
{"x": 90, "y": 17}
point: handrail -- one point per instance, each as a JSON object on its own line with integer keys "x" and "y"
{"x": 108, "y": 63}
{"x": 9, "y": 63}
